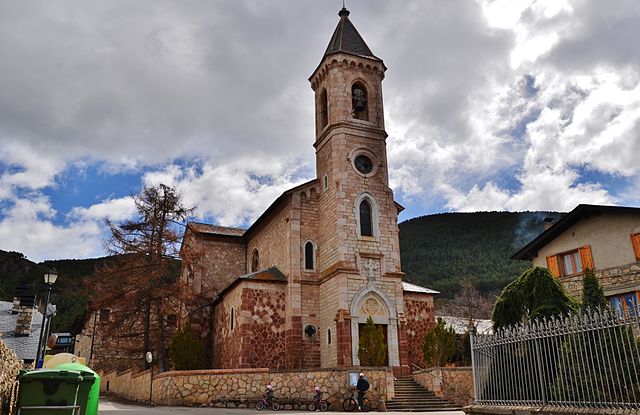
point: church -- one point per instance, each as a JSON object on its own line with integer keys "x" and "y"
{"x": 294, "y": 289}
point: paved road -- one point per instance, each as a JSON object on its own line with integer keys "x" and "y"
{"x": 108, "y": 407}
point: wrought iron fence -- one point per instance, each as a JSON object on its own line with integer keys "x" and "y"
{"x": 586, "y": 360}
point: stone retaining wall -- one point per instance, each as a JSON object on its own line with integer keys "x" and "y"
{"x": 211, "y": 387}
{"x": 129, "y": 385}
{"x": 454, "y": 384}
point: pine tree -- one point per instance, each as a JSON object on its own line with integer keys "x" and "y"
{"x": 592, "y": 294}
{"x": 372, "y": 350}
{"x": 439, "y": 344}
{"x": 185, "y": 352}
{"x": 535, "y": 294}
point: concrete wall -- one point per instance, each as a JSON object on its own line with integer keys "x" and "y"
{"x": 454, "y": 384}
{"x": 129, "y": 385}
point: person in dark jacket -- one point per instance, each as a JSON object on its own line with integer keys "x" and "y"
{"x": 363, "y": 387}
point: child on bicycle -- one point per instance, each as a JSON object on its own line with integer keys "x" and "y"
{"x": 268, "y": 394}
{"x": 317, "y": 396}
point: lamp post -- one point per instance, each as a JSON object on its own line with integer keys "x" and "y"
{"x": 49, "y": 279}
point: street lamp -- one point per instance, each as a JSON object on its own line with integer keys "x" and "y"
{"x": 49, "y": 279}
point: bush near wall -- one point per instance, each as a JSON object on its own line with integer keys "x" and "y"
{"x": 10, "y": 365}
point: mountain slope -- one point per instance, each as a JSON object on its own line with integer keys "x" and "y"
{"x": 440, "y": 251}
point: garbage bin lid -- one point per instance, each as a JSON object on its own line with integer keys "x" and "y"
{"x": 68, "y": 375}
{"x": 78, "y": 367}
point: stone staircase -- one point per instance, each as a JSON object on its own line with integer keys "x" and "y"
{"x": 410, "y": 396}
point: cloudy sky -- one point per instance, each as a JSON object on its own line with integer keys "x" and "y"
{"x": 490, "y": 105}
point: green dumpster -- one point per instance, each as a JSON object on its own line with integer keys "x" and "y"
{"x": 48, "y": 391}
{"x": 89, "y": 390}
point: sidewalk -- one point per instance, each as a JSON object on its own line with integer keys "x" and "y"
{"x": 108, "y": 407}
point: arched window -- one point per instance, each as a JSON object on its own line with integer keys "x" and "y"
{"x": 328, "y": 336}
{"x": 366, "y": 220}
{"x": 232, "y": 318}
{"x": 308, "y": 255}
{"x": 255, "y": 260}
{"x": 359, "y": 102}
{"x": 324, "y": 109}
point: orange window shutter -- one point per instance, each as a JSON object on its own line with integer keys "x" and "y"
{"x": 586, "y": 258}
{"x": 635, "y": 241}
{"x": 553, "y": 266}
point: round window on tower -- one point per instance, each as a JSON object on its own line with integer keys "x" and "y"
{"x": 363, "y": 162}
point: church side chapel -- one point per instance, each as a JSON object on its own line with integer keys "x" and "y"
{"x": 295, "y": 289}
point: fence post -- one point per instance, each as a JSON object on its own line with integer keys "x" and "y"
{"x": 541, "y": 374}
{"x": 472, "y": 334}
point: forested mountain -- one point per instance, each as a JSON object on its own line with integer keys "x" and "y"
{"x": 68, "y": 293}
{"x": 440, "y": 251}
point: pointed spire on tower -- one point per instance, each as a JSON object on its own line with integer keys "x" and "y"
{"x": 346, "y": 39}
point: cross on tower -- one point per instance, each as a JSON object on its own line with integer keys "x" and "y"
{"x": 371, "y": 266}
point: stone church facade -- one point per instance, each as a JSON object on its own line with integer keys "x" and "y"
{"x": 293, "y": 290}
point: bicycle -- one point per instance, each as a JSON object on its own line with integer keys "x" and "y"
{"x": 263, "y": 403}
{"x": 351, "y": 403}
{"x": 322, "y": 405}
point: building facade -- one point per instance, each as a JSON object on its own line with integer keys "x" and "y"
{"x": 294, "y": 289}
{"x": 603, "y": 238}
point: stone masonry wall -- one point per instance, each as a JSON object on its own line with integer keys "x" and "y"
{"x": 454, "y": 384}
{"x": 263, "y": 326}
{"x": 207, "y": 387}
{"x": 610, "y": 279}
{"x": 227, "y": 342}
{"x": 272, "y": 242}
{"x": 420, "y": 317}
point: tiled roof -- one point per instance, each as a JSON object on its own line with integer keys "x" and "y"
{"x": 346, "y": 39}
{"x": 582, "y": 211}
{"x": 460, "y": 324}
{"x": 269, "y": 274}
{"x": 407, "y": 286}
{"x": 25, "y": 347}
{"x": 215, "y": 230}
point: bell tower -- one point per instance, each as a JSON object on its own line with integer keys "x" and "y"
{"x": 358, "y": 248}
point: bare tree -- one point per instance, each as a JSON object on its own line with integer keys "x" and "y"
{"x": 141, "y": 287}
{"x": 470, "y": 304}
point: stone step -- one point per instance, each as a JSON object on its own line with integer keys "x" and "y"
{"x": 410, "y": 396}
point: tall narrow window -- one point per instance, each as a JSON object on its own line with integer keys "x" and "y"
{"x": 308, "y": 255}
{"x": 324, "y": 109}
{"x": 255, "y": 260}
{"x": 366, "y": 228}
{"x": 359, "y": 102}
{"x": 232, "y": 319}
{"x": 328, "y": 336}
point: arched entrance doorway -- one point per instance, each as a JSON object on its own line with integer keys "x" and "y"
{"x": 370, "y": 301}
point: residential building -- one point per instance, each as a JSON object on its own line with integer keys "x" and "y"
{"x": 603, "y": 238}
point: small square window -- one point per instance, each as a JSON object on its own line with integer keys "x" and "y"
{"x": 104, "y": 314}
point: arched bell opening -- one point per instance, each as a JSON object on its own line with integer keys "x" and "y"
{"x": 359, "y": 102}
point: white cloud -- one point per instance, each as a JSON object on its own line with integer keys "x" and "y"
{"x": 28, "y": 227}
{"x": 233, "y": 194}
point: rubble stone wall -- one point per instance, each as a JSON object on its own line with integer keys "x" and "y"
{"x": 245, "y": 386}
{"x": 420, "y": 317}
{"x": 610, "y": 279}
{"x": 454, "y": 384}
